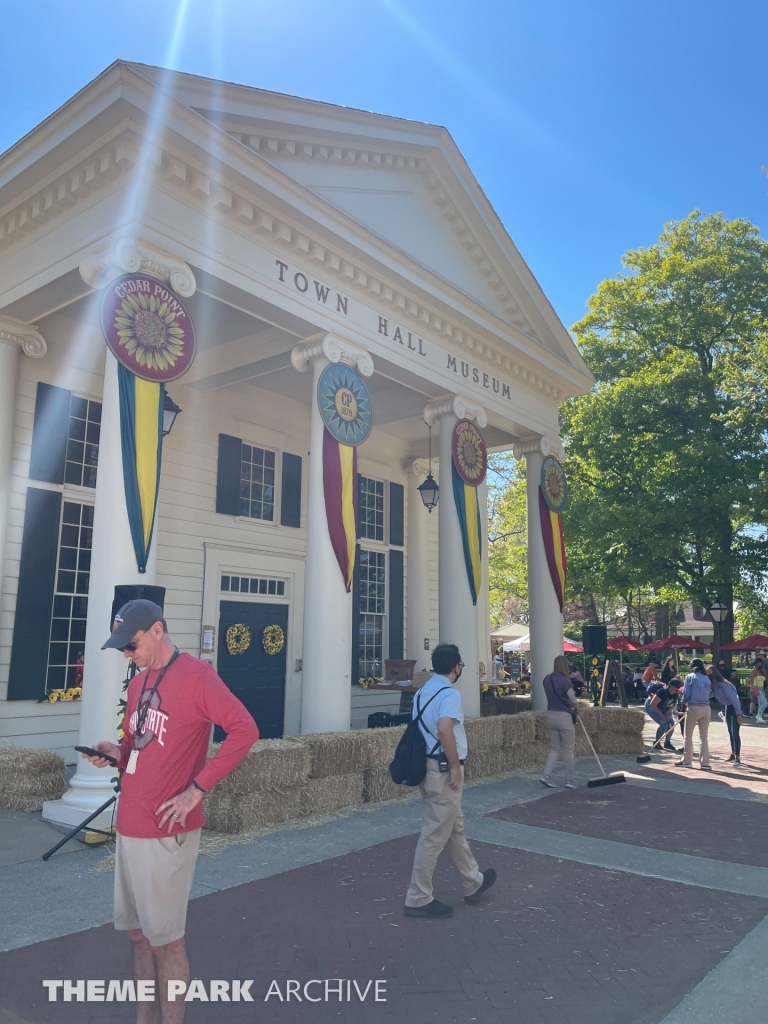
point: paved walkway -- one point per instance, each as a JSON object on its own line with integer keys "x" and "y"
{"x": 634, "y": 904}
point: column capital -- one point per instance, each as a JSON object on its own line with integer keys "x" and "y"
{"x": 540, "y": 446}
{"x": 455, "y": 405}
{"x": 335, "y": 350}
{"x": 127, "y": 254}
{"x": 419, "y": 467}
{"x": 29, "y": 339}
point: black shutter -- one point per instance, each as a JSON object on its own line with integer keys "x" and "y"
{"x": 228, "y": 475}
{"x": 49, "y": 434}
{"x": 396, "y": 515}
{"x": 34, "y": 602}
{"x": 396, "y": 604}
{"x": 356, "y": 618}
{"x": 290, "y": 497}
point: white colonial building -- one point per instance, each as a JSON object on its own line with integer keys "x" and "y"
{"x": 297, "y": 234}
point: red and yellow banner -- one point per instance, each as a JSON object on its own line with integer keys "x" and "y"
{"x": 340, "y": 488}
{"x": 554, "y": 546}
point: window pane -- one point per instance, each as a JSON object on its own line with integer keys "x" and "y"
{"x": 235, "y": 584}
{"x": 68, "y": 558}
{"x": 76, "y": 429}
{"x": 79, "y": 607}
{"x": 73, "y": 474}
{"x": 225, "y": 582}
{"x": 71, "y": 513}
{"x": 60, "y": 629}
{"x": 62, "y": 606}
{"x": 79, "y": 407}
{"x": 94, "y": 412}
{"x": 66, "y": 582}
{"x": 262, "y": 586}
{"x": 93, "y": 433}
{"x": 280, "y": 588}
{"x": 87, "y": 519}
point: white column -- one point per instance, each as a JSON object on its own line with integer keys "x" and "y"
{"x": 14, "y": 335}
{"x": 417, "y": 619}
{"x": 327, "y": 655}
{"x": 458, "y": 614}
{"x": 114, "y": 563}
{"x": 483, "y": 599}
{"x": 545, "y": 618}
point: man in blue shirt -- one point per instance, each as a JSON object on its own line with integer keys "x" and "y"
{"x": 442, "y": 726}
{"x": 696, "y": 693}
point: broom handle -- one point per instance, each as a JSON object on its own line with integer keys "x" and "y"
{"x": 589, "y": 741}
{"x": 669, "y": 730}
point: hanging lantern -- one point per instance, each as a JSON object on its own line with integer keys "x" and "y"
{"x": 170, "y": 412}
{"x": 429, "y": 490}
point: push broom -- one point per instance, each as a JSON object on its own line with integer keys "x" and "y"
{"x": 607, "y": 780}
{"x": 645, "y": 758}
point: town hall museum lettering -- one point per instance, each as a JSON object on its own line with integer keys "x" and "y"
{"x": 321, "y": 291}
{"x": 485, "y": 380}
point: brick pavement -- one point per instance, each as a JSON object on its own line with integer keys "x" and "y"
{"x": 736, "y": 832}
{"x": 554, "y": 942}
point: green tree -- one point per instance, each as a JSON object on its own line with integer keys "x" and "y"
{"x": 507, "y": 540}
{"x": 666, "y": 457}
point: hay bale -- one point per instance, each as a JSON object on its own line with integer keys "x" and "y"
{"x": 338, "y": 753}
{"x": 619, "y": 743}
{"x": 519, "y": 728}
{"x": 621, "y": 720}
{"x": 28, "y": 777}
{"x": 269, "y": 764}
{"x": 485, "y": 763}
{"x": 512, "y": 705}
{"x": 379, "y": 787}
{"x": 232, "y": 812}
{"x": 382, "y": 744}
{"x": 485, "y": 733}
{"x": 331, "y": 793}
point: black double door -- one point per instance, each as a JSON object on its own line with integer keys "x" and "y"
{"x": 255, "y": 677}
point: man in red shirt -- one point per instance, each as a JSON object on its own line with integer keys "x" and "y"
{"x": 167, "y": 727}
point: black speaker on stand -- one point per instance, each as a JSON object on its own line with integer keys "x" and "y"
{"x": 594, "y": 639}
{"x": 124, "y": 594}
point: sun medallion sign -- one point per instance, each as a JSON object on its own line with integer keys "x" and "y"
{"x": 147, "y": 327}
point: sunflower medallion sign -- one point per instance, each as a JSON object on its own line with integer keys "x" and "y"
{"x": 147, "y": 327}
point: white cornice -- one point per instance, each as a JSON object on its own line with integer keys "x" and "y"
{"x": 29, "y": 339}
{"x": 131, "y": 255}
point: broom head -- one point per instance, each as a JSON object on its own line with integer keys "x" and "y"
{"x": 608, "y": 780}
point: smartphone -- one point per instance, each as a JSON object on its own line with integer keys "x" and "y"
{"x": 96, "y": 753}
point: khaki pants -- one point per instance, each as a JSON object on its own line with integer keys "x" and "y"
{"x": 562, "y": 736}
{"x": 443, "y": 828}
{"x": 701, "y": 715}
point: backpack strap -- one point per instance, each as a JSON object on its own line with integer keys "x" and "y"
{"x": 420, "y": 711}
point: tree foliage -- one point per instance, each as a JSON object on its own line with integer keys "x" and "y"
{"x": 666, "y": 457}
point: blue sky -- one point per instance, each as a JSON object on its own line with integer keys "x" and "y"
{"x": 589, "y": 123}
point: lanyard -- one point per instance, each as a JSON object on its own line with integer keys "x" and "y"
{"x": 144, "y": 708}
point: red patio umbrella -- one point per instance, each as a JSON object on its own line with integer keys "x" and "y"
{"x": 674, "y": 643}
{"x": 569, "y": 647}
{"x": 756, "y": 642}
{"x": 622, "y": 643}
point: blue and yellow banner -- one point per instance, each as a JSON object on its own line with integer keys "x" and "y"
{"x": 468, "y": 509}
{"x": 141, "y": 432}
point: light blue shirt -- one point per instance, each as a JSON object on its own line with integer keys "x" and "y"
{"x": 697, "y": 689}
{"x": 446, "y": 705}
{"x": 727, "y": 693}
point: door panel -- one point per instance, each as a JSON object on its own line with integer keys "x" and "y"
{"x": 255, "y": 677}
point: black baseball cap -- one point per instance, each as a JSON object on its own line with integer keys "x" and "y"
{"x": 131, "y": 619}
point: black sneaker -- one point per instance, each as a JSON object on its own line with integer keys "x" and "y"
{"x": 489, "y": 877}
{"x": 433, "y": 909}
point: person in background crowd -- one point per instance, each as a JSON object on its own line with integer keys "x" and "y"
{"x": 696, "y": 694}
{"x": 561, "y": 722}
{"x": 660, "y": 704}
{"x": 650, "y": 673}
{"x": 577, "y": 682}
{"x": 726, "y": 693}
{"x": 637, "y": 682}
{"x": 668, "y": 670}
{"x": 758, "y": 687}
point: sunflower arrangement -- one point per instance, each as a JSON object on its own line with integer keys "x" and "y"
{"x": 366, "y": 681}
{"x": 149, "y": 331}
{"x": 73, "y": 693}
{"x": 273, "y": 640}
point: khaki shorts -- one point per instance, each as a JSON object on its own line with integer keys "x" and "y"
{"x": 152, "y": 882}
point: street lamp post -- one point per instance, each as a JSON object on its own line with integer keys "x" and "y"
{"x": 719, "y": 612}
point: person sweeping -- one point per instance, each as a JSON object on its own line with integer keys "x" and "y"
{"x": 659, "y": 705}
{"x": 561, "y": 722}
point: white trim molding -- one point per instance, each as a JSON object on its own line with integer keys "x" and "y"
{"x": 335, "y": 350}
{"x": 29, "y": 339}
{"x": 541, "y": 445}
{"x": 128, "y": 255}
{"x": 455, "y": 405}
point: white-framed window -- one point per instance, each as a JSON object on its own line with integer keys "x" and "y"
{"x": 370, "y": 508}
{"x": 373, "y": 609}
{"x": 257, "y": 482}
{"x": 66, "y": 646}
{"x": 263, "y": 586}
{"x": 83, "y": 436}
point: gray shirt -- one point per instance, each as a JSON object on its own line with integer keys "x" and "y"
{"x": 556, "y": 688}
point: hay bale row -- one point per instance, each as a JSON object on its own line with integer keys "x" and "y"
{"x": 336, "y": 753}
{"x": 519, "y": 729}
{"x": 332, "y": 793}
{"x": 28, "y": 777}
{"x": 485, "y": 763}
{"x": 484, "y": 732}
{"x": 378, "y": 786}
{"x": 231, "y": 812}
{"x": 268, "y": 765}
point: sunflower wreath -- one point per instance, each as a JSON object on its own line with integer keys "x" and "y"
{"x": 273, "y": 639}
{"x": 238, "y": 638}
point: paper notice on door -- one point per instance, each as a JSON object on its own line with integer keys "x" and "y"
{"x": 209, "y": 639}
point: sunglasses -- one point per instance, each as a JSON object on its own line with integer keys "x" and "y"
{"x": 130, "y": 648}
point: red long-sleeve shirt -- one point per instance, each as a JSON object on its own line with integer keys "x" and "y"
{"x": 174, "y": 743}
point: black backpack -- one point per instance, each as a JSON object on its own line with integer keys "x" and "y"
{"x": 409, "y": 766}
